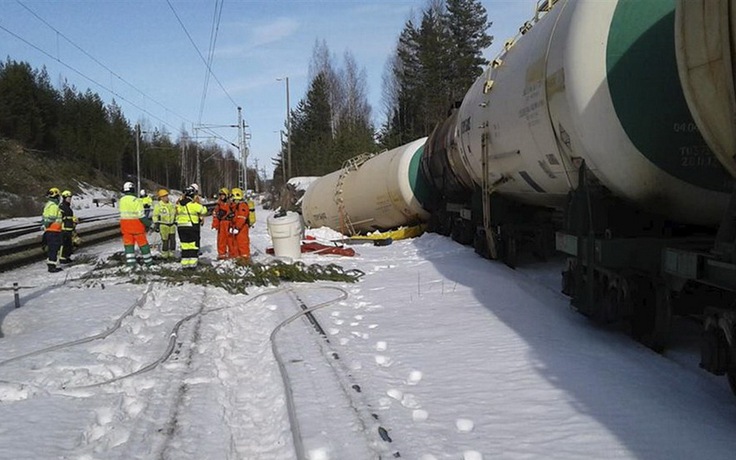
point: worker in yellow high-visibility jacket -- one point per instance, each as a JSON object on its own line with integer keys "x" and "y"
{"x": 189, "y": 217}
{"x": 133, "y": 226}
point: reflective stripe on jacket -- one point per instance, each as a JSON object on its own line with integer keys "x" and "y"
{"x": 189, "y": 213}
{"x": 131, "y": 208}
{"x": 52, "y": 216}
{"x": 164, "y": 213}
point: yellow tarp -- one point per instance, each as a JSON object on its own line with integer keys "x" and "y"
{"x": 398, "y": 234}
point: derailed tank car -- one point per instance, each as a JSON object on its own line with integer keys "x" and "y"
{"x": 590, "y": 113}
{"x": 607, "y": 131}
{"x": 370, "y": 193}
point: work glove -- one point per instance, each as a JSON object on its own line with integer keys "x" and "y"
{"x": 234, "y": 231}
{"x": 156, "y": 227}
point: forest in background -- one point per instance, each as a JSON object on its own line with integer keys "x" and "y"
{"x": 438, "y": 55}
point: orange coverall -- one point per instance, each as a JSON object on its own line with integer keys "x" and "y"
{"x": 240, "y": 230}
{"x": 221, "y": 221}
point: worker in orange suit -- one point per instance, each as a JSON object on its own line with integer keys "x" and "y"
{"x": 222, "y": 218}
{"x": 133, "y": 226}
{"x": 240, "y": 226}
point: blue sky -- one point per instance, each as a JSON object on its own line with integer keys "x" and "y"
{"x": 150, "y": 67}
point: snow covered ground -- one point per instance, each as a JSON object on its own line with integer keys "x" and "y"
{"x": 445, "y": 354}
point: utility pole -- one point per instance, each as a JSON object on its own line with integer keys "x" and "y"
{"x": 198, "y": 174}
{"x": 138, "y": 156}
{"x": 288, "y": 125}
{"x": 283, "y": 158}
{"x": 184, "y": 143}
{"x": 255, "y": 185}
{"x": 243, "y": 148}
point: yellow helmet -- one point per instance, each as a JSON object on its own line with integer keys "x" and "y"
{"x": 224, "y": 191}
{"x": 66, "y": 193}
{"x": 53, "y": 192}
{"x": 237, "y": 193}
{"x": 162, "y": 193}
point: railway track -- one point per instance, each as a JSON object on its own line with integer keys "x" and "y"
{"x": 350, "y": 426}
{"x": 28, "y": 247}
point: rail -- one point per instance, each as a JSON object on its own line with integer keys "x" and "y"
{"x": 29, "y": 250}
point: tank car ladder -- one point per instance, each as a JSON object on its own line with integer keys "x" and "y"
{"x": 353, "y": 164}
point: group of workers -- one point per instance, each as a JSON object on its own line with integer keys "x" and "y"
{"x": 232, "y": 217}
{"x": 59, "y": 224}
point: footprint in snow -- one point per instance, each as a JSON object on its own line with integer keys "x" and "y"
{"x": 464, "y": 425}
{"x": 419, "y": 415}
{"x": 13, "y": 391}
{"x": 383, "y": 361}
{"x": 472, "y": 455}
{"x": 344, "y": 341}
{"x": 333, "y": 331}
{"x": 395, "y": 393}
{"x": 338, "y": 322}
{"x": 410, "y": 401}
{"x": 381, "y": 346}
{"x": 358, "y": 317}
{"x": 414, "y": 377}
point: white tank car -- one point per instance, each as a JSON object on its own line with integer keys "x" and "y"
{"x": 594, "y": 81}
{"x": 381, "y": 193}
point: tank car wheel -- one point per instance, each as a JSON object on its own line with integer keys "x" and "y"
{"x": 609, "y": 306}
{"x": 652, "y": 316}
{"x": 509, "y": 251}
{"x": 568, "y": 282}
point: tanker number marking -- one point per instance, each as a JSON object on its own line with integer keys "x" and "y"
{"x": 684, "y": 127}
{"x": 534, "y": 101}
{"x": 695, "y": 156}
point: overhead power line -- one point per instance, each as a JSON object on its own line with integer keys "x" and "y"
{"x": 104, "y": 87}
{"x": 200, "y": 53}
{"x": 211, "y": 52}
{"x": 83, "y": 75}
{"x": 97, "y": 61}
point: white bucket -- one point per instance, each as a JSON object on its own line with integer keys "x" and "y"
{"x": 286, "y": 234}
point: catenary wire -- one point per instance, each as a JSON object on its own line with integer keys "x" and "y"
{"x": 97, "y": 61}
{"x": 200, "y": 53}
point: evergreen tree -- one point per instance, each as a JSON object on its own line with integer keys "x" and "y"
{"x": 405, "y": 93}
{"x": 311, "y": 131}
{"x": 29, "y": 105}
{"x": 435, "y": 63}
{"x": 120, "y": 152}
{"x": 467, "y": 23}
{"x": 433, "y": 67}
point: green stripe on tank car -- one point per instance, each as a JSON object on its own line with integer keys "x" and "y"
{"x": 417, "y": 182}
{"x": 647, "y": 95}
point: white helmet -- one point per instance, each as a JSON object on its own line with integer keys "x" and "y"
{"x": 142, "y": 193}
{"x": 195, "y": 187}
{"x": 128, "y": 187}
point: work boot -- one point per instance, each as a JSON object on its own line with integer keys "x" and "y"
{"x": 54, "y": 269}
